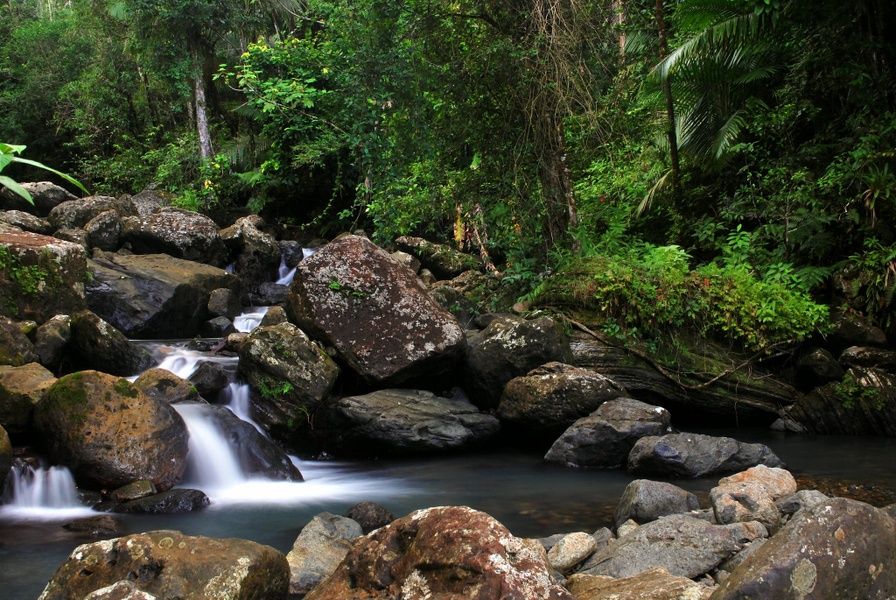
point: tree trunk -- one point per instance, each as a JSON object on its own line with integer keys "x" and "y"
{"x": 667, "y": 92}
{"x": 619, "y": 21}
{"x": 205, "y": 137}
{"x": 556, "y": 181}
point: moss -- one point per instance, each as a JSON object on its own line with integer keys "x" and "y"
{"x": 69, "y": 395}
{"x": 852, "y": 394}
{"x": 125, "y": 388}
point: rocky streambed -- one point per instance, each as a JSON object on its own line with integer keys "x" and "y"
{"x": 360, "y": 353}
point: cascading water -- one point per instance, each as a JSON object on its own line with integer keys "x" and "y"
{"x": 285, "y": 275}
{"x": 250, "y": 319}
{"x": 237, "y": 397}
{"x": 183, "y": 362}
{"x": 43, "y": 492}
{"x": 212, "y": 463}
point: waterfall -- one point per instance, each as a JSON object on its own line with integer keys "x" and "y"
{"x": 41, "y": 492}
{"x": 237, "y": 398}
{"x": 211, "y": 463}
{"x": 284, "y": 273}
{"x": 250, "y": 319}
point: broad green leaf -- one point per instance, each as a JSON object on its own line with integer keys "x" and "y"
{"x": 68, "y": 178}
{"x": 15, "y": 187}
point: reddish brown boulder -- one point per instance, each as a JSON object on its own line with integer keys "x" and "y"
{"x": 451, "y": 553}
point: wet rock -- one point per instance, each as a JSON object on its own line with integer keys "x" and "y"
{"x": 110, "y": 433}
{"x": 442, "y": 552}
{"x": 15, "y": 347}
{"x": 402, "y": 422}
{"x": 445, "y": 262}
{"x": 606, "y": 437}
{"x": 863, "y": 356}
{"x": 852, "y": 329}
{"x": 864, "y": 403}
{"x": 224, "y": 302}
{"x": 164, "y": 386}
{"x": 292, "y": 252}
{"x": 375, "y": 313}
{"x": 274, "y": 316}
{"x": 257, "y": 253}
{"x": 96, "y": 527}
{"x": 267, "y": 293}
{"x": 209, "y": 379}
{"x": 26, "y": 222}
{"x": 509, "y": 347}
{"x": 644, "y": 500}
{"x": 320, "y": 547}
{"x": 789, "y": 505}
{"x": 570, "y": 551}
{"x": 40, "y": 276}
{"x": 681, "y": 544}
{"x": 75, "y": 214}
{"x": 179, "y": 233}
{"x": 750, "y": 496}
{"x": 98, "y": 345}
{"x": 168, "y": 564}
{"x": 655, "y": 584}
{"x": 551, "y": 397}
{"x": 21, "y": 388}
{"x": 51, "y": 339}
{"x": 134, "y": 491}
{"x": 153, "y": 296}
{"x": 5, "y": 456}
{"x": 696, "y": 455}
{"x": 290, "y": 375}
{"x": 839, "y": 548}
{"x": 817, "y": 367}
{"x": 370, "y": 516}
{"x": 235, "y": 342}
{"x": 172, "y": 502}
{"x": 217, "y": 327}
{"x": 45, "y": 195}
{"x": 104, "y": 231}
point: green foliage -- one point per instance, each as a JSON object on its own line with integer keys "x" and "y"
{"x": 9, "y": 155}
{"x": 275, "y": 390}
{"x": 852, "y": 394}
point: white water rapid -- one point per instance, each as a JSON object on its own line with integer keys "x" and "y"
{"x": 250, "y": 319}
{"x": 43, "y": 493}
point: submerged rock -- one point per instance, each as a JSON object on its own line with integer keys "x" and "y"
{"x": 402, "y": 422}
{"x": 696, "y": 455}
{"x": 839, "y": 548}
{"x": 443, "y": 552}
{"x": 179, "y": 233}
{"x": 320, "y": 547}
{"x": 169, "y": 564}
{"x": 98, "y": 345}
{"x": 172, "y": 502}
{"x": 356, "y": 298}
{"x": 96, "y": 527}
{"x": 509, "y": 347}
{"x": 110, "y": 433}
{"x": 21, "y": 388}
{"x": 606, "y": 437}
{"x": 551, "y": 397}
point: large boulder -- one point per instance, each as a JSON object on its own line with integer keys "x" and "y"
{"x": 816, "y": 367}
{"x": 153, "y": 295}
{"x": 150, "y": 201}
{"x": 549, "y": 398}
{"x": 15, "y": 347}
{"x": 373, "y": 311}
{"x": 26, "y": 222}
{"x": 605, "y": 437}
{"x": 290, "y": 375}
{"x": 75, "y": 214}
{"x": 166, "y": 387}
{"x": 863, "y": 356}
{"x": 257, "y": 253}
{"x": 852, "y": 329}
{"x": 45, "y": 196}
{"x": 180, "y": 233}
{"x": 509, "y": 347}
{"x": 98, "y": 345}
{"x": 443, "y": 552}
{"x": 169, "y": 564}
{"x": 681, "y": 544}
{"x": 40, "y": 276}
{"x": 396, "y": 421}
{"x": 320, "y": 547}
{"x": 104, "y": 231}
{"x": 751, "y": 495}
{"x": 110, "y": 433}
{"x": 51, "y": 339}
{"x": 21, "y": 388}
{"x": 863, "y": 403}
{"x": 839, "y": 548}
{"x": 655, "y": 584}
{"x": 696, "y": 455}
{"x": 370, "y": 515}
{"x": 644, "y": 500}
{"x": 444, "y": 261}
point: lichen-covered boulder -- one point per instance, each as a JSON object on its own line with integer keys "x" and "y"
{"x": 444, "y": 261}
{"x": 509, "y": 347}
{"x": 442, "y": 552}
{"x": 110, "y": 433}
{"x": 40, "y": 276}
{"x": 75, "y": 214}
{"x": 549, "y": 398}
{"x": 98, "y": 345}
{"x": 26, "y": 222}
{"x": 153, "y": 296}
{"x": 655, "y": 584}
{"x": 696, "y": 455}
{"x": 320, "y": 547}
{"x": 290, "y": 375}
{"x": 45, "y": 195}
{"x": 644, "y": 500}
{"x": 104, "y": 231}
{"x": 356, "y": 298}
{"x": 15, "y": 347}
{"x": 257, "y": 253}
{"x": 681, "y": 544}
{"x": 605, "y": 437}
{"x": 21, "y": 388}
{"x": 180, "y": 233}
{"x": 397, "y": 421}
{"x": 224, "y": 302}
{"x": 166, "y": 387}
{"x": 370, "y": 515}
{"x": 169, "y": 564}
{"x": 51, "y": 338}
{"x": 839, "y": 548}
